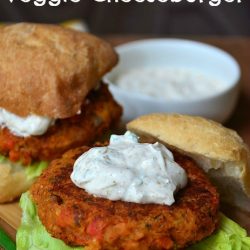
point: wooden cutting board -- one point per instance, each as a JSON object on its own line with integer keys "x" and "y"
{"x": 10, "y": 217}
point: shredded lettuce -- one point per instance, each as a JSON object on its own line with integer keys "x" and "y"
{"x": 32, "y": 171}
{"x": 32, "y": 234}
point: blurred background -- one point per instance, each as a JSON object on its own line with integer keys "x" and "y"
{"x": 228, "y": 19}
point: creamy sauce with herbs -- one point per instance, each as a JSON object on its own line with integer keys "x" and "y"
{"x": 170, "y": 83}
{"x": 130, "y": 171}
{"x": 25, "y": 126}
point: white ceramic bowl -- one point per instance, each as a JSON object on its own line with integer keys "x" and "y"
{"x": 177, "y": 53}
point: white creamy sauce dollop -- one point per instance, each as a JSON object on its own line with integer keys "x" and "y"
{"x": 25, "y": 126}
{"x": 170, "y": 83}
{"x": 130, "y": 171}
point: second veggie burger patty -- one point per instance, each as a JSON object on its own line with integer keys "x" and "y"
{"x": 99, "y": 113}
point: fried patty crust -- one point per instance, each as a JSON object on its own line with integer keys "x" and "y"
{"x": 80, "y": 219}
{"x": 99, "y": 113}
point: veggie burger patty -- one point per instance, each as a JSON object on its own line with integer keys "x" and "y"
{"x": 80, "y": 219}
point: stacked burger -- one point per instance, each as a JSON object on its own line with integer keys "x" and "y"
{"x": 147, "y": 189}
{"x": 51, "y": 99}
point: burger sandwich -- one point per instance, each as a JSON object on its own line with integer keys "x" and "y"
{"x": 148, "y": 189}
{"x": 51, "y": 98}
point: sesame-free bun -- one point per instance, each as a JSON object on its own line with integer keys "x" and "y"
{"x": 218, "y": 150}
{"x": 48, "y": 70}
{"x": 13, "y": 183}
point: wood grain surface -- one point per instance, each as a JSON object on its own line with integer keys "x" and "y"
{"x": 239, "y": 47}
{"x": 10, "y": 216}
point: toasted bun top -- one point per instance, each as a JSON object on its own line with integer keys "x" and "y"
{"x": 215, "y": 147}
{"x": 48, "y": 70}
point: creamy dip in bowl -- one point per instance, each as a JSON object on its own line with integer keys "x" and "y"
{"x": 175, "y": 75}
{"x": 170, "y": 83}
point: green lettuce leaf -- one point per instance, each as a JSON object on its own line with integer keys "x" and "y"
{"x": 229, "y": 236}
{"x": 32, "y": 234}
{"x": 32, "y": 171}
{"x": 35, "y": 170}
